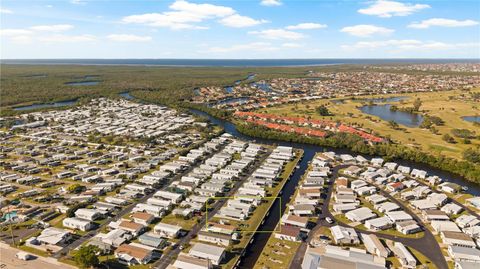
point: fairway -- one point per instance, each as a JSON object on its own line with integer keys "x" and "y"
{"x": 446, "y": 105}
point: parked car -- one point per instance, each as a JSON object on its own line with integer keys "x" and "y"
{"x": 24, "y": 256}
{"x": 329, "y": 220}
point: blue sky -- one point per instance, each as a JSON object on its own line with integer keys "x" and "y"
{"x": 239, "y": 29}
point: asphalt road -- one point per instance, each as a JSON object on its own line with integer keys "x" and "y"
{"x": 432, "y": 252}
{"x": 166, "y": 259}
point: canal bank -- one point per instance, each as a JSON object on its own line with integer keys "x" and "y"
{"x": 254, "y": 249}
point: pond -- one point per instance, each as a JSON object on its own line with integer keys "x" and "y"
{"x": 83, "y": 83}
{"x": 400, "y": 117}
{"x": 472, "y": 118}
{"x": 47, "y": 105}
{"x": 229, "y": 89}
{"x": 126, "y": 95}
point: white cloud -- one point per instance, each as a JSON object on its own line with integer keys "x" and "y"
{"x": 255, "y": 46}
{"x": 238, "y": 21}
{"x": 52, "y": 28}
{"x": 183, "y": 16}
{"x": 306, "y": 26}
{"x": 129, "y": 38}
{"x": 387, "y": 9}
{"x": 366, "y": 30}
{"x": 67, "y": 38}
{"x": 6, "y": 11}
{"x": 443, "y": 23}
{"x": 409, "y": 44}
{"x": 292, "y": 45}
{"x": 270, "y": 3}
{"x": 78, "y": 2}
{"x": 278, "y": 34}
{"x": 14, "y": 32}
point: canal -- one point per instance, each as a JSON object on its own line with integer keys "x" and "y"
{"x": 254, "y": 249}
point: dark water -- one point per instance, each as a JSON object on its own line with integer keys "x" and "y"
{"x": 263, "y": 86}
{"x": 226, "y": 62}
{"x": 383, "y": 99}
{"x": 126, "y": 95}
{"x": 239, "y": 100}
{"x": 49, "y": 105}
{"x": 37, "y": 76}
{"x": 400, "y": 117}
{"x": 472, "y": 118}
{"x": 82, "y": 83}
{"x": 253, "y": 251}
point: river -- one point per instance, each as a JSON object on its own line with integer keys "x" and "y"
{"x": 253, "y": 251}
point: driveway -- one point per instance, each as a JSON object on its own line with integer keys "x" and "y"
{"x": 9, "y": 261}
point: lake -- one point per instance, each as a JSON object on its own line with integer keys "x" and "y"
{"x": 82, "y": 83}
{"x": 472, "y": 118}
{"x": 400, "y": 117}
{"x": 48, "y": 105}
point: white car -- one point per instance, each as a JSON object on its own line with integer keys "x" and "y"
{"x": 24, "y": 256}
{"x": 329, "y": 220}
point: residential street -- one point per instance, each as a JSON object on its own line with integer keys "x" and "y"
{"x": 433, "y": 252}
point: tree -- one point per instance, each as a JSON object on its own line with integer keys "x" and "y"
{"x": 472, "y": 155}
{"x": 464, "y": 133}
{"x": 448, "y": 138}
{"x": 75, "y": 188}
{"x": 323, "y": 111}
{"x": 417, "y": 104}
{"x": 86, "y": 256}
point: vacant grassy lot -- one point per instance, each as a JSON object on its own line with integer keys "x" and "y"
{"x": 438, "y": 104}
{"x": 277, "y": 253}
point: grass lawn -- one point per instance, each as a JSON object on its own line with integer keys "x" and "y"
{"x": 185, "y": 224}
{"x": 277, "y": 253}
{"x": 421, "y": 259}
{"x": 33, "y": 250}
{"x": 437, "y": 104}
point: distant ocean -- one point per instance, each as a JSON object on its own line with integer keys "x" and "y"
{"x": 225, "y": 62}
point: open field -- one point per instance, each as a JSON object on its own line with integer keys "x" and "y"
{"x": 433, "y": 103}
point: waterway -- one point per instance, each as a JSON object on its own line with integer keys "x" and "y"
{"x": 83, "y": 83}
{"x": 400, "y": 117}
{"x": 48, "y": 105}
{"x": 472, "y": 118}
{"x": 382, "y": 99}
{"x": 126, "y": 95}
{"x": 254, "y": 249}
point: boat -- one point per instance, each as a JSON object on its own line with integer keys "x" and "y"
{"x": 464, "y": 188}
